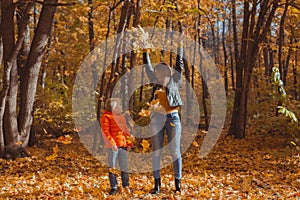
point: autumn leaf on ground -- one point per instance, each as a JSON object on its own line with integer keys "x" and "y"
{"x": 145, "y": 144}
{"x": 54, "y": 155}
{"x": 65, "y": 139}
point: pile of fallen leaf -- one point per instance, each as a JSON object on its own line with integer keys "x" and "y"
{"x": 258, "y": 167}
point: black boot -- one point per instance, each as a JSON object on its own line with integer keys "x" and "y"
{"x": 177, "y": 185}
{"x": 112, "y": 191}
{"x": 157, "y": 185}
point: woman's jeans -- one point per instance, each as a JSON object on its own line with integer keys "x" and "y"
{"x": 122, "y": 157}
{"x": 171, "y": 123}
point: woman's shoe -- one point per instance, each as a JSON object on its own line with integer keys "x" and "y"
{"x": 157, "y": 184}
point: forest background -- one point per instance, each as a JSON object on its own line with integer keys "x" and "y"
{"x": 254, "y": 44}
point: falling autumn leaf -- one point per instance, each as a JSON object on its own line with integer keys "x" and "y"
{"x": 51, "y": 157}
{"x": 195, "y": 144}
{"x": 153, "y": 102}
{"x": 145, "y": 144}
{"x": 55, "y": 149}
{"x": 144, "y": 113}
{"x": 172, "y": 124}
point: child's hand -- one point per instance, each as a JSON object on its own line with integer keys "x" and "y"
{"x": 114, "y": 148}
{"x": 128, "y": 148}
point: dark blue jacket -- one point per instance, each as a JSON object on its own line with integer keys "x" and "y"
{"x": 173, "y": 95}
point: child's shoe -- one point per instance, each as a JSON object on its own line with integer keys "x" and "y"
{"x": 113, "y": 191}
{"x": 127, "y": 190}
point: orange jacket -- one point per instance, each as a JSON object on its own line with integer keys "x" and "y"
{"x": 114, "y": 130}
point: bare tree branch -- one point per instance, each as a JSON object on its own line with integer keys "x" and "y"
{"x": 43, "y": 3}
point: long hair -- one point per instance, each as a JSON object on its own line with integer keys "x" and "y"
{"x": 163, "y": 66}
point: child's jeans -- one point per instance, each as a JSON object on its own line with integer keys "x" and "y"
{"x": 122, "y": 157}
{"x": 171, "y": 123}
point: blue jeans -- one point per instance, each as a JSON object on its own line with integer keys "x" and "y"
{"x": 172, "y": 125}
{"x": 122, "y": 157}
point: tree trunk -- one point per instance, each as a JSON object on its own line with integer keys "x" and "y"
{"x": 231, "y": 56}
{"x": 10, "y": 114}
{"x": 233, "y": 130}
{"x": 287, "y": 63}
{"x": 188, "y": 90}
{"x": 102, "y": 84}
{"x": 24, "y": 52}
{"x": 33, "y": 65}
{"x": 10, "y": 53}
{"x": 124, "y": 84}
{"x": 267, "y": 60}
{"x": 204, "y": 91}
{"x": 92, "y": 42}
{"x": 1, "y": 41}
{"x": 295, "y": 75}
{"x": 194, "y": 54}
{"x": 102, "y": 91}
{"x": 136, "y": 20}
{"x": 215, "y": 47}
{"x": 167, "y": 35}
{"x": 204, "y": 86}
{"x": 116, "y": 59}
{"x": 238, "y": 69}
{"x": 34, "y": 16}
{"x": 235, "y": 33}
{"x": 10, "y": 127}
{"x": 91, "y": 25}
{"x": 225, "y": 58}
{"x": 142, "y": 83}
{"x": 44, "y": 67}
{"x": 281, "y": 40}
{"x": 1, "y": 48}
{"x": 252, "y": 36}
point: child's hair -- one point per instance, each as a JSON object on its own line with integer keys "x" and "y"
{"x": 163, "y": 66}
{"x": 111, "y": 103}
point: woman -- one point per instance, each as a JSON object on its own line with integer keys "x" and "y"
{"x": 167, "y": 94}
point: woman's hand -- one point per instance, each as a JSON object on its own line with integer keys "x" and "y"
{"x": 141, "y": 39}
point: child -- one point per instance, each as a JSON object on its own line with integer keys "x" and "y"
{"x": 118, "y": 141}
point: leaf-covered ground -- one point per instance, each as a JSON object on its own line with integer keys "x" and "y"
{"x": 261, "y": 166}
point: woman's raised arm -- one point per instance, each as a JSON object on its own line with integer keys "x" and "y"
{"x": 177, "y": 75}
{"x": 148, "y": 66}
